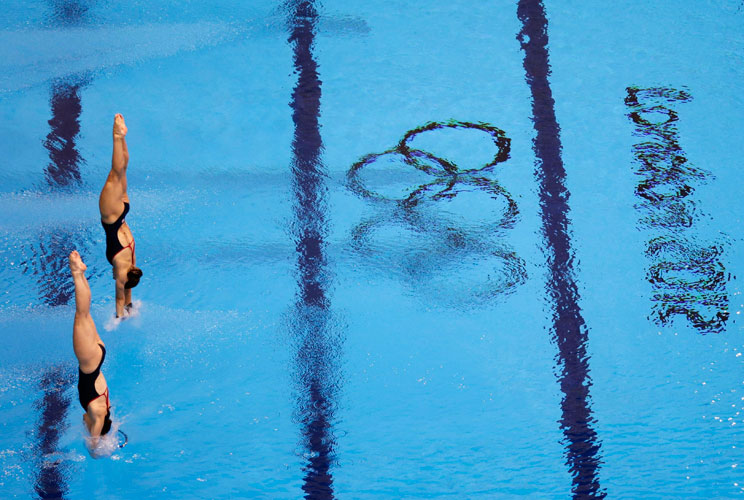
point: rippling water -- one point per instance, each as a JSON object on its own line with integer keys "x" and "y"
{"x": 392, "y": 251}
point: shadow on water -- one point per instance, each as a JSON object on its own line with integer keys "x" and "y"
{"x": 569, "y": 331}
{"x": 311, "y": 324}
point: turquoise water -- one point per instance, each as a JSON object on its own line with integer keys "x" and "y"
{"x": 341, "y": 301}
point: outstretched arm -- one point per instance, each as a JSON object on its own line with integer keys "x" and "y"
{"x": 120, "y": 156}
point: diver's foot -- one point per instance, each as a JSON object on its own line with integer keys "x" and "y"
{"x": 76, "y": 263}
{"x": 120, "y": 128}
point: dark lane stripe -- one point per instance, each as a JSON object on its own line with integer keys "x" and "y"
{"x": 64, "y": 167}
{"x": 62, "y": 173}
{"x": 569, "y": 331}
{"x": 56, "y": 289}
{"x": 52, "y": 472}
{"x": 66, "y": 13}
{"x": 311, "y": 324}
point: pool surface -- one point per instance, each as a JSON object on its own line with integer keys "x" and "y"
{"x": 390, "y": 250}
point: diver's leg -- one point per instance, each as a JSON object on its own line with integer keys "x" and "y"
{"x": 84, "y": 334}
{"x": 115, "y": 188}
{"x": 120, "y": 155}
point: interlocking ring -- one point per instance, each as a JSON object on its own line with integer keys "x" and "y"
{"x": 447, "y": 181}
{"x": 502, "y": 142}
{"x": 356, "y": 185}
{"x": 446, "y": 174}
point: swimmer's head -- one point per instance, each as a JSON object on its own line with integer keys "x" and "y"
{"x": 133, "y": 276}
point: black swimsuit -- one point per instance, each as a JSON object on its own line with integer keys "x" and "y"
{"x": 87, "y": 383}
{"x": 113, "y": 246}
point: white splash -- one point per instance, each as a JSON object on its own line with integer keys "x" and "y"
{"x": 104, "y": 446}
{"x": 132, "y": 316}
{"x": 112, "y": 323}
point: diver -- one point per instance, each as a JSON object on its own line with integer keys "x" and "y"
{"x": 93, "y": 392}
{"x": 114, "y": 206}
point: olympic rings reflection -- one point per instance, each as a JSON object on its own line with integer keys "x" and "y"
{"x": 447, "y": 241}
{"x": 502, "y": 142}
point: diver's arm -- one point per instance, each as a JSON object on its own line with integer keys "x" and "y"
{"x": 121, "y": 295}
{"x": 96, "y": 426}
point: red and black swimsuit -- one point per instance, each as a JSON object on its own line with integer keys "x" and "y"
{"x": 87, "y": 384}
{"x": 87, "y": 392}
{"x": 113, "y": 246}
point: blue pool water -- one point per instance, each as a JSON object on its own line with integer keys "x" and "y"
{"x": 455, "y": 249}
